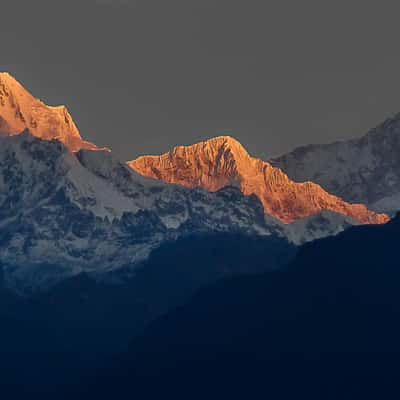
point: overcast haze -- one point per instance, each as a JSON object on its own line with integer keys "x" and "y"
{"x": 142, "y": 76}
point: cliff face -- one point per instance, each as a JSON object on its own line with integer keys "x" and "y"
{"x": 223, "y": 161}
{"x": 20, "y": 111}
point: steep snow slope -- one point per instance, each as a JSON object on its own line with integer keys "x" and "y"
{"x": 365, "y": 169}
{"x": 223, "y": 161}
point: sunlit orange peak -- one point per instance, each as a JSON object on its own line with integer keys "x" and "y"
{"x": 20, "y": 111}
{"x": 223, "y": 161}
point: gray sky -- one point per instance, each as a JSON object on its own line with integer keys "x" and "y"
{"x": 141, "y": 76}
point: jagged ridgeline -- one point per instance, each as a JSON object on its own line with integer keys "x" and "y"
{"x": 223, "y": 161}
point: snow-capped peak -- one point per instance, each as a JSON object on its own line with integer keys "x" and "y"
{"x": 365, "y": 169}
{"x": 20, "y": 110}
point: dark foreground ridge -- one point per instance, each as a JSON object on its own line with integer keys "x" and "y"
{"x": 50, "y": 340}
{"x": 326, "y": 327}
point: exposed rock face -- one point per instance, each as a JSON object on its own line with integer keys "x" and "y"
{"x": 365, "y": 169}
{"x": 19, "y": 111}
{"x": 223, "y": 161}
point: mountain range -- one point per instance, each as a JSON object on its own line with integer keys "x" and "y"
{"x": 69, "y": 207}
